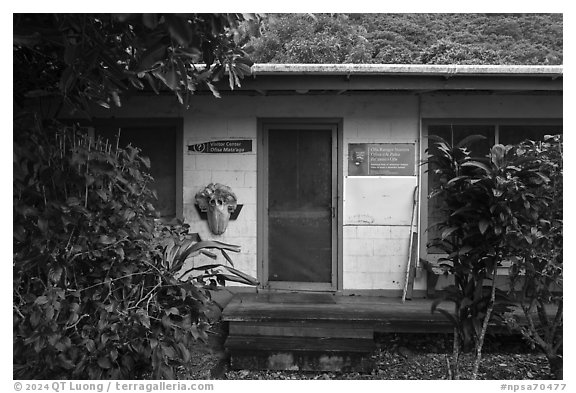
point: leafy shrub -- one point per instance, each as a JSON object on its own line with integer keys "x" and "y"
{"x": 499, "y": 208}
{"x": 96, "y": 287}
{"x": 538, "y": 270}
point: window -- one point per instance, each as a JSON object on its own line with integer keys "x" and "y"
{"x": 159, "y": 143}
{"x": 503, "y": 132}
{"x": 511, "y": 134}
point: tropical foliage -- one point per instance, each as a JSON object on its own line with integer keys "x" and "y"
{"x": 98, "y": 286}
{"x": 538, "y": 271}
{"x": 497, "y": 210}
{"x": 98, "y": 290}
{"x": 216, "y": 194}
{"x": 88, "y": 58}
{"x": 410, "y": 39}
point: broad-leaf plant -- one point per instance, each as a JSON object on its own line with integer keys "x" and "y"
{"x": 496, "y": 212}
{"x": 101, "y": 288}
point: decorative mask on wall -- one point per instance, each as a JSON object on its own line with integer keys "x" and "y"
{"x": 218, "y": 201}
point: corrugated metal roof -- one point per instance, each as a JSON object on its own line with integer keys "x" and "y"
{"x": 406, "y": 69}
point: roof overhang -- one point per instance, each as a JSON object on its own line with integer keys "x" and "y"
{"x": 339, "y": 78}
{"x": 406, "y": 69}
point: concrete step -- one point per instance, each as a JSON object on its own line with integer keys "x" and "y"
{"x": 300, "y": 345}
{"x": 300, "y": 353}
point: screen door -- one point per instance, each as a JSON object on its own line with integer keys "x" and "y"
{"x": 301, "y": 209}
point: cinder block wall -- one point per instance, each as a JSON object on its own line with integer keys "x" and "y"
{"x": 237, "y": 171}
{"x": 375, "y": 256}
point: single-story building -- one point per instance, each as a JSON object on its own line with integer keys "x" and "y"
{"x": 325, "y": 162}
{"x": 325, "y": 159}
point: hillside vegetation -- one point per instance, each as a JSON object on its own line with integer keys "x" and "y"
{"x": 410, "y": 39}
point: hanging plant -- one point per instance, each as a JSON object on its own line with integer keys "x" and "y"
{"x": 218, "y": 201}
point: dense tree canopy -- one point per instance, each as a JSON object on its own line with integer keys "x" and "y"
{"x": 94, "y": 58}
{"x": 410, "y": 39}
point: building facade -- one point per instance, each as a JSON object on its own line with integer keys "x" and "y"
{"x": 326, "y": 161}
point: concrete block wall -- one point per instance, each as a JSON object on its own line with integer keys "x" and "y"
{"x": 374, "y": 257}
{"x": 237, "y": 171}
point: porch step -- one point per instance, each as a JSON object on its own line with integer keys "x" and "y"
{"x": 302, "y": 331}
{"x": 264, "y": 339}
{"x": 300, "y": 353}
{"x": 320, "y": 329}
{"x": 300, "y": 344}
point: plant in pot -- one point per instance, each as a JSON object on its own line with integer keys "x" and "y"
{"x": 218, "y": 201}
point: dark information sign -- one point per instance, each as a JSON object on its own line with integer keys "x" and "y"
{"x": 231, "y": 146}
{"x": 381, "y": 159}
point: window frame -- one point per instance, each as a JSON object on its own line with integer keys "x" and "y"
{"x": 425, "y": 124}
{"x": 177, "y": 123}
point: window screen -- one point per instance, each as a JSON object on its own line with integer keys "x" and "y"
{"x": 299, "y": 205}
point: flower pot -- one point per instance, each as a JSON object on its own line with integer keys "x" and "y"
{"x": 218, "y": 201}
{"x": 218, "y": 216}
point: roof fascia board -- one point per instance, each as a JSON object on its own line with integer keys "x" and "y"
{"x": 406, "y": 69}
{"x": 400, "y": 82}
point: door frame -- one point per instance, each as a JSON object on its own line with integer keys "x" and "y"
{"x": 337, "y": 201}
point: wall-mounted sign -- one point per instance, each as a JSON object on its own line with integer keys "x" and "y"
{"x": 231, "y": 146}
{"x": 381, "y": 159}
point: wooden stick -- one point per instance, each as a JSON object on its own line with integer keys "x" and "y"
{"x": 409, "y": 263}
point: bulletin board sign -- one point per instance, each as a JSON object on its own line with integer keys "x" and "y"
{"x": 381, "y": 159}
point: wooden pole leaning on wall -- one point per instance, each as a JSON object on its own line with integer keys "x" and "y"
{"x": 412, "y": 244}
